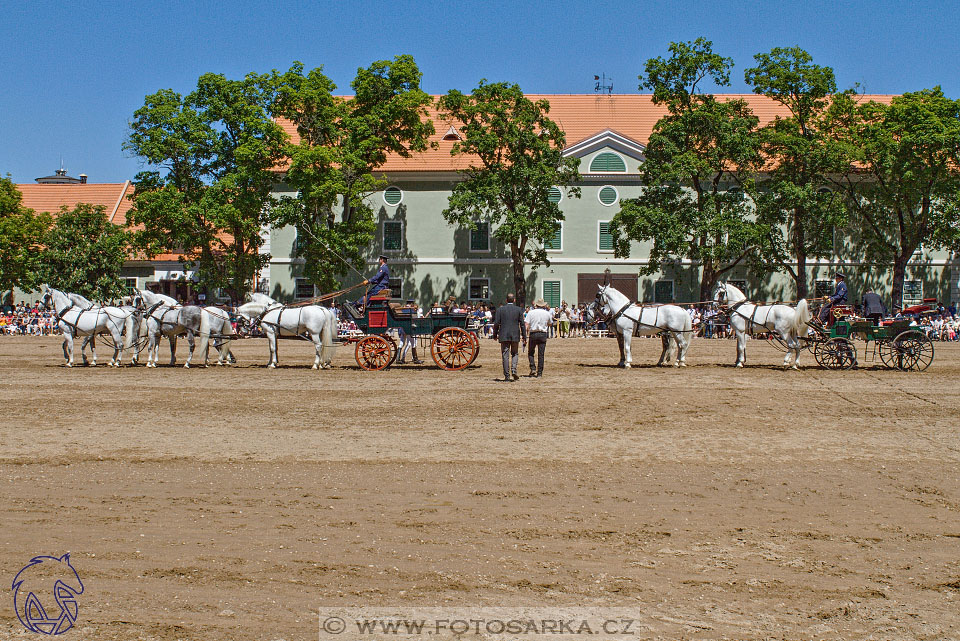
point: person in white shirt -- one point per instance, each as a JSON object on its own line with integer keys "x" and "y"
{"x": 539, "y": 319}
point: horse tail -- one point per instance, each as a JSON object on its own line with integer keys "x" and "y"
{"x": 327, "y": 335}
{"x": 802, "y": 316}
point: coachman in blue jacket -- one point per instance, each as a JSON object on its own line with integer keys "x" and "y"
{"x": 380, "y": 280}
{"x": 839, "y": 297}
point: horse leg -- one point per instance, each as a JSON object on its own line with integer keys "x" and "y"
{"x": 191, "y": 341}
{"x": 117, "y": 347}
{"x": 272, "y": 341}
{"x": 317, "y": 346}
{"x": 793, "y": 352}
{"x": 741, "y": 348}
{"x": 683, "y": 343}
{"x": 173, "y": 349}
{"x": 68, "y": 347}
{"x": 623, "y": 358}
{"x": 665, "y": 343}
{"x": 628, "y": 356}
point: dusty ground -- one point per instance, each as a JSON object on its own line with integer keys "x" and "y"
{"x": 715, "y": 503}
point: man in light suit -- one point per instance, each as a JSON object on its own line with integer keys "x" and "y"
{"x": 509, "y": 329}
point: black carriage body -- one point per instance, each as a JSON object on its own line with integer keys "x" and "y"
{"x": 378, "y": 319}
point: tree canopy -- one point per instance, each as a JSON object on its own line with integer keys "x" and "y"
{"x": 342, "y": 143}
{"x": 516, "y": 154}
{"x": 212, "y": 155}
{"x": 21, "y": 235}
{"x": 900, "y": 172}
{"x": 84, "y": 252}
{"x": 794, "y": 202}
{"x": 700, "y": 160}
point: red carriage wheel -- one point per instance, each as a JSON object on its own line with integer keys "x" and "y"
{"x": 476, "y": 346}
{"x": 375, "y": 352}
{"x": 453, "y": 348}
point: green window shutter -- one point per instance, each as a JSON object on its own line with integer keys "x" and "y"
{"x": 392, "y": 195}
{"x": 480, "y": 238}
{"x": 554, "y": 243}
{"x": 605, "y": 242}
{"x": 551, "y": 292}
{"x": 555, "y": 195}
{"x": 392, "y": 236}
{"x": 607, "y": 161}
{"x": 608, "y": 195}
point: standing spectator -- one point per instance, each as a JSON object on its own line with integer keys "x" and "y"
{"x": 564, "y": 317}
{"x": 538, "y": 322}
{"x": 509, "y": 329}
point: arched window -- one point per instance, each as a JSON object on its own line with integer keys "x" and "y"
{"x": 555, "y": 195}
{"x": 607, "y": 162}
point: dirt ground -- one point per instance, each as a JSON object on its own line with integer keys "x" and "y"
{"x": 232, "y": 503}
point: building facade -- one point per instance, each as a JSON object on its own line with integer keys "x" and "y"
{"x": 431, "y": 260}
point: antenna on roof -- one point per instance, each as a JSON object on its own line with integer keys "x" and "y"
{"x": 603, "y": 84}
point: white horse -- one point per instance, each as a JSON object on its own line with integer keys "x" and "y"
{"x": 745, "y": 317}
{"x": 628, "y": 319}
{"x": 75, "y": 321}
{"x": 216, "y": 322}
{"x": 318, "y": 323}
{"x": 170, "y": 320}
{"x": 134, "y": 328}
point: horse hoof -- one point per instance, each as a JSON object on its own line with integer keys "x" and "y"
{"x": 795, "y": 366}
{"x": 186, "y": 366}
{"x": 315, "y": 367}
{"x": 626, "y": 365}
{"x": 739, "y": 364}
{"x": 271, "y": 366}
{"x": 682, "y": 364}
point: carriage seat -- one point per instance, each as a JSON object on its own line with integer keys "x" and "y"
{"x": 839, "y": 312}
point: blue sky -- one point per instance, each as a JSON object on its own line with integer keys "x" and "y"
{"x": 73, "y": 73}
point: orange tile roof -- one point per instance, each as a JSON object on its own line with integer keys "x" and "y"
{"x": 580, "y": 116}
{"x": 50, "y": 198}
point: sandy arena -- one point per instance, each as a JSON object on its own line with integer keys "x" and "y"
{"x": 232, "y": 503}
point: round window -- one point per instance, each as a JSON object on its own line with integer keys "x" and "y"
{"x": 392, "y": 196}
{"x": 555, "y": 195}
{"x": 608, "y": 195}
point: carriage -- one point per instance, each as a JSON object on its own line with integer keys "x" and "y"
{"x": 452, "y": 346}
{"x": 894, "y": 344}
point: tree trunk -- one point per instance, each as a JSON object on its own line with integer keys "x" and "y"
{"x": 801, "y": 252}
{"x": 519, "y": 280}
{"x": 708, "y": 280}
{"x": 899, "y": 273}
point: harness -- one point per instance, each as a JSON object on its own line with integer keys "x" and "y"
{"x": 636, "y": 321}
{"x": 751, "y": 319}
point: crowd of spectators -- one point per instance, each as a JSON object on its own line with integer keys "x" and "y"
{"x": 27, "y": 320}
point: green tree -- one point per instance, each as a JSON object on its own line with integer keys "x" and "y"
{"x": 516, "y": 154}
{"x": 343, "y": 141}
{"x": 700, "y": 162}
{"x": 21, "y": 234}
{"x": 901, "y": 175}
{"x": 795, "y": 202}
{"x": 84, "y": 252}
{"x": 213, "y": 154}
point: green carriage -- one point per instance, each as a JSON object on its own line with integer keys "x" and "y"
{"x": 896, "y": 345}
{"x": 452, "y": 346}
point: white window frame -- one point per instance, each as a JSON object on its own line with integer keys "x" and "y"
{"x": 602, "y": 251}
{"x": 470, "y": 248}
{"x": 383, "y": 235}
{"x": 470, "y": 287}
{"x": 543, "y": 289}
{"x": 616, "y": 201}
{"x": 607, "y": 150}
{"x": 557, "y": 251}
{"x": 919, "y": 301}
{"x": 296, "y": 289}
{"x": 384, "y": 196}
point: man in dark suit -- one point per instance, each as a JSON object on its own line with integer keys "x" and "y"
{"x": 509, "y": 329}
{"x": 873, "y": 307}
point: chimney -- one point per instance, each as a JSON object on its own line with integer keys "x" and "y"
{"x": 83, "y": 179}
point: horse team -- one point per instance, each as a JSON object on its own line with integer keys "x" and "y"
{"x": 146, "y": 317}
